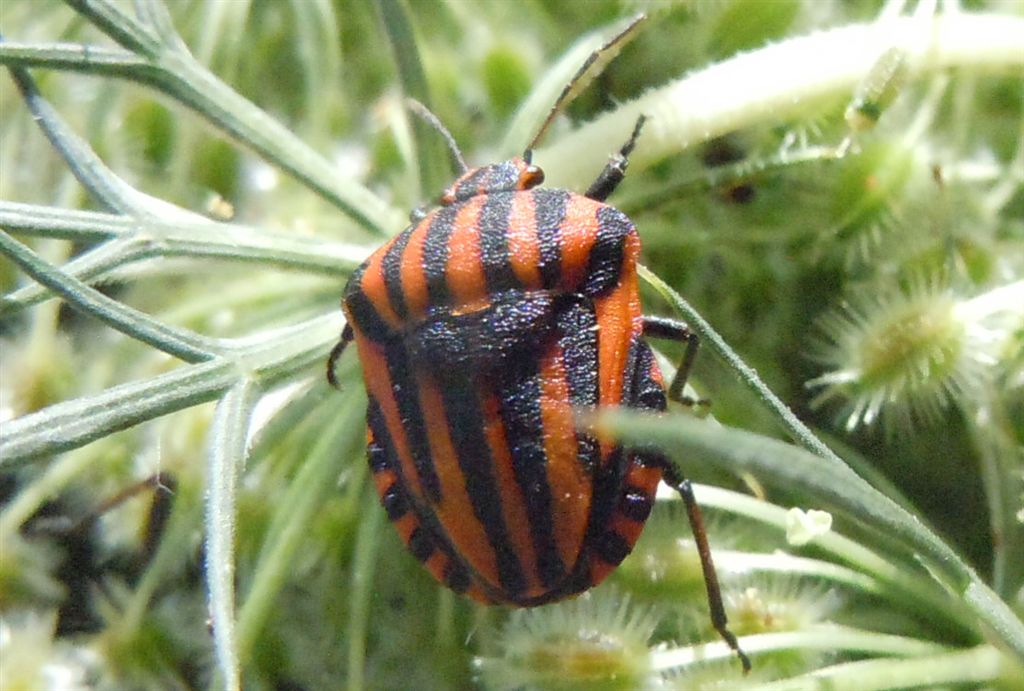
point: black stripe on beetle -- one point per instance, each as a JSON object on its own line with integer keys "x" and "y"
{"x": 607, "y": 254}
{"x": 457, "y": 577}
{"x": 494, "y": 244}
{"x": 406, "y": 395}
{"x": 612, "y": 547}
{"x": 435, "y": 255}
{"x": 395, "y": 501}
{"x": 636, "y": 504}
{"x": 465, "y": 426}
{"x": 376, "y": 453}
{"x": 421, "y": 544}
{"x": 519, "y": 394}
{"x": 391, "y": 265}
{"x": 362, "y": 310}
{"x": 549, "y": 212}
{"x": 578, "y": 340}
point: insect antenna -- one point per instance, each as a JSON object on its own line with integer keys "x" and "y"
{"x": 591, "y": 67}
{"x": 424, "y": 113}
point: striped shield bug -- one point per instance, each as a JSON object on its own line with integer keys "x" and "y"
{"x": 481, "y": 329}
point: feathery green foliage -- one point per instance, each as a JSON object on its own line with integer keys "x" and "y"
{"x": 837, "y": 189}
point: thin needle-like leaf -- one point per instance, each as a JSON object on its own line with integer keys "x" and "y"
{"x": 69, "y": 224}
{"x": 97, "y": 60}
{"x": 711, "y": 340}
{"x": 433, "y": 159}
{"x": 118, "y": 25}
{"x": 188, "y": 346}
{"x": 108, "y": 189}
{"x": 292, "y": 516}
{"x": 228, "y": 447}
{"x": 76, "y": 422}
{"x": 832, "y": 483}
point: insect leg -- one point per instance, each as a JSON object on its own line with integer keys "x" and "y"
{"x": 332, "y": 360}
{"x": 693, "y": 513}
{"x": 615, "y": 170}
{"x": 648, "y": 395}
{"x": 669, "y": 329}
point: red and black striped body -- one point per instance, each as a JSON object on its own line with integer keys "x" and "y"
{"x": 480, "y": 329}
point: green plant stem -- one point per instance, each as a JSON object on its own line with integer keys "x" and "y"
{"x": 747, "y": 375}
{"x": 110, "y": 20}
{"x": 770, "y": 514}
{"x": 982, "y": 665}
{"x": 302, "y": 403}
{"x": 177, "y": 342}
{"x": 713, "y": 178}
{"x": 787, "y": 565}
{"x": 68, "y": 224}
{"x": 833, "y": 484}
{"x": 291, "y": 518}
{"x": 364, "y": 564}
{"x": 89, "y": 267}
{"x": 193, "y": 86}
{"x": 904, "y": 585}
{"x": 1002, "y": 472}
{"x": 433, "y": 162}
{"x": 73, "y": 423}
{"x": 278, "y": 356}
{"x": 155, "y": 17}
{"x": 823, "y": 638}
{"x": 98, "y": 60}
{"x": 134, "y": 240}
{"x": 227, "y": 458}
{"x": 269, "y": 358}
{"x": 106, "y": 188}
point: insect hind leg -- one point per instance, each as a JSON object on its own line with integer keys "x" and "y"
{"x": 615, "y": 170}
{"x": 647, "y": 398}
{"x": 714, "y": 590}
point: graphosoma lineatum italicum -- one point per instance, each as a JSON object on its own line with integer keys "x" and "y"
{"x": 481, "y": 328}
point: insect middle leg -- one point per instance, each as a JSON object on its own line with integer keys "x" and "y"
{"x": 672, "y": 330}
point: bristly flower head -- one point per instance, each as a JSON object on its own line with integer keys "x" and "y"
{"x": 597, "y": 641}
{"x": 903, "y": 356}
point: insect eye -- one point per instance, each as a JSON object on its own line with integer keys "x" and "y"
{"x": 531, "y": 177}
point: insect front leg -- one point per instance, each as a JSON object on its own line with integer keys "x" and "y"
{"x": 615, "y": 170}
{"x": 669, "y": 329}
{"x": 332, "y": 360}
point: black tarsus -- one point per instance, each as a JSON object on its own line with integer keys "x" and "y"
{"x": 615, "y": 170}
{"x": 332, "y": 360}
